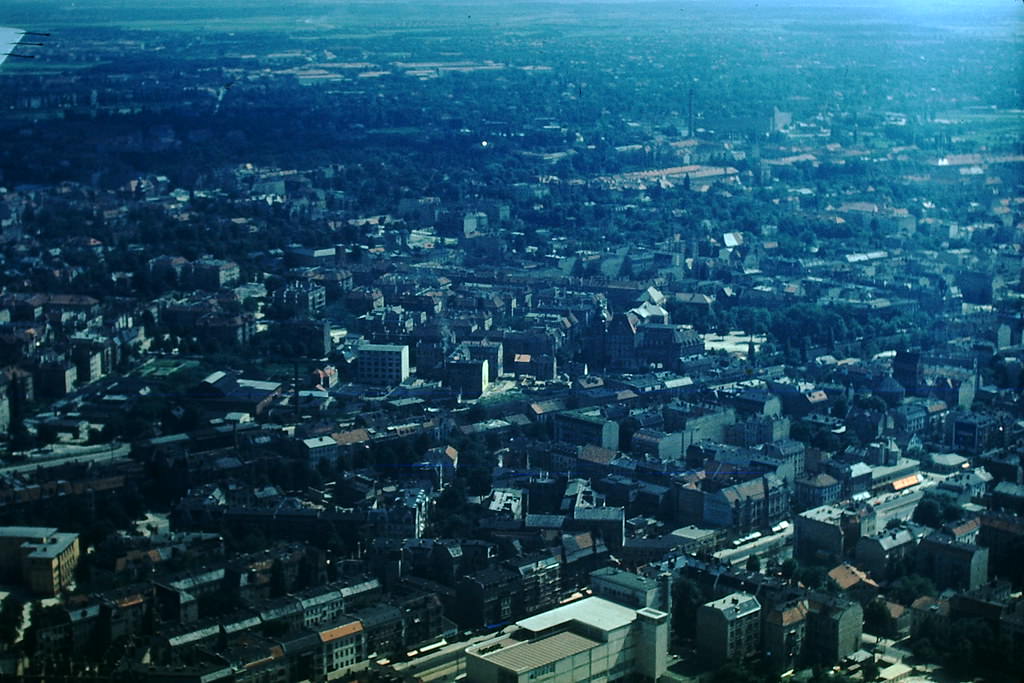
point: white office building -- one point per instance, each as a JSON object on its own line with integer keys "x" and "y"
{"x": 386, "y": 364}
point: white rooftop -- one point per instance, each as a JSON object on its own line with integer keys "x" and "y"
{"x": 596, "y": 612}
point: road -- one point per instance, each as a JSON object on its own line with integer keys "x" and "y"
{"x": 445, "y": 663}
{"x": 443, "y": 666}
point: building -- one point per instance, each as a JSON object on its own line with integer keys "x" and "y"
{"x": 343, "y": 645}
{"x": 491, "y": 351}
{"x": 40, "y": 557}
{"x": 824, "y": 534}
{"x": 757, "y": 430}
{"x": 729, "y": 628}
{"x": 590, "y": 639}
{"x": 971, "y": 432}
{"x": 748, "y": 506}
{"x": 607, "y": 520}
{"x": 539, "y": 582}
{"x": 887, "y": 554}
{"x": 467, "y": 376}
{"x": 655, "y": 442}
{"x": 951, "y": 564}
{"x": 319, "y": 448}
{"x": 834, "y": 628}
{"x": 1003, "y": 534}
{"x": 698, "y": 422}
{"x": 629, "y": 589}
{"x": 56, "y": 377}
{"x": 212, "y": 274}
{"x": 386, "y": 364}
{"x": 815, "y": 491}
{"x": 784, "y": 630}
{"x": 588, "y": 426}
{"x": 489, "y": 596}
{"x": 301, "y": 298}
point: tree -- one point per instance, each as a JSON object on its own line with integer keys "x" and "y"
{"x": 735, "y": 672}
{"x": 906, "y": 589}
{"x": 753, "y": 564}
{"x": 687, "y": 596}
{"x": 928, "y": 513}
{"x": 812, "y": 577}
{"x": 876, "y": 617}
{"x": 11, "y": 614}
{"x": 870, "y": 669}
{"x": 840, "y": 408}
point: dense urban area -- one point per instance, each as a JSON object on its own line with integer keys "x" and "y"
{"x": 652, "y": 341}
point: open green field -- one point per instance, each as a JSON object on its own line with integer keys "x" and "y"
{"x": 161, "y": 368}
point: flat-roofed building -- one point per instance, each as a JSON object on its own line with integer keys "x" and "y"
{"x": 41, "y": 557}
{"x": 212, "y": 274}
{"x": 629, "y": 589}
{"x": 587, "y": 426}
{"x": 382, "y": 364}
{"x": 590, "y": 639}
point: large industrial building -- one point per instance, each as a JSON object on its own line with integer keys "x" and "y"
{"x": 589, "y": 640}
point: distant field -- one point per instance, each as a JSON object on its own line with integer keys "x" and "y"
{"x": 29, "y": 67}
{"x": 165, "y": 367}
{"x": 383, "y": 17}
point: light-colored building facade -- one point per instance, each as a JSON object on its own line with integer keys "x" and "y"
{"x": 343, "y": 646}
{"x": 41, "y": 557}
{"x": 386, "y": 364}
{"x": 629, "y": 589}
{"x": 588, "y": 640}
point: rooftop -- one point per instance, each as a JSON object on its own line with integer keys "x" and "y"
{"x": 625, "y": 579}
{"x": 26, "y": 532}
{"x": 824, "y": 513}
{"x": 596, "y": 612}
{"x": 528, "y": 655}
{"x": 736, "y": 605}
